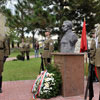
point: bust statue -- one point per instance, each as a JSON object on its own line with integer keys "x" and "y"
{"x": 69, "y": 39}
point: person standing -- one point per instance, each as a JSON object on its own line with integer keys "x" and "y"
{"x": 22, "y": 49}
{"x": 4, "y": 52}
{"x": 48, "y": 49}
{"x": 97, "y": 55}
{"x": 92, "y": 54}
{"x": 36, "y": 47}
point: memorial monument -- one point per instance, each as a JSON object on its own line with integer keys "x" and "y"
{"x": 71, "y": 64}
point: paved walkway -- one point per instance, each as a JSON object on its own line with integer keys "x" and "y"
{"x": 21, "y": 90}
{"x": 12, "y": 58}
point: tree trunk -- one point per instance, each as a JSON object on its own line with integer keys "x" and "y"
{"x": 22, "y": 33}
{"x": 12, "y": 44}
{"x": 18, "y": 44}
{"x": 22, "y": 36}
{"x": 33, "y": 40}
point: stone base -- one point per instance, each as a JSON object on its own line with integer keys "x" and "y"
{"x": 72, "y": 70}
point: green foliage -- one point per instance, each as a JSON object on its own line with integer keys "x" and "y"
{"x": 56, "y": 46}
{"x": 33, "y": 15}
{"x": 13, "y": 36}
{"x": 19, "y": 57}
{"x": 83, "y": 9}
{"x": 56, "y": 89}
{"x": 2, "y": 2}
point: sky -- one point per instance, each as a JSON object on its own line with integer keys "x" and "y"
{"x": 10, "y": 5}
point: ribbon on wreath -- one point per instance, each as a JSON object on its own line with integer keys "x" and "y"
{"x": 40, "y": 80}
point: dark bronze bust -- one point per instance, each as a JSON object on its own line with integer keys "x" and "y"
{"x": 69, "y": 39}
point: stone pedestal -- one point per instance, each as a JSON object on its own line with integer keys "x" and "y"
{"x": 72, "y": 70}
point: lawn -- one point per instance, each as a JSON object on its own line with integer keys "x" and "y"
{"x": 21, "y": 70}
{"x": 15, "y": 52}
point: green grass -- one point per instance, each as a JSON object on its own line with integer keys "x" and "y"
{"x": 15, "y": 52}
{"x": 21, "y": 70}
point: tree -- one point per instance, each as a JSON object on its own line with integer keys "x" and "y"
{"x": 97, "y": 15}
{"x": 56, "y": 8}
{"x": 40, "y": 19}
{"x": 16, "y": 22}
{"x": 3, "y": 2}
{"x": 32, "y": 15}
{"x": 81, "y": 9}
{"x": 76, "y": 11}
{"x": 13, "y": 37}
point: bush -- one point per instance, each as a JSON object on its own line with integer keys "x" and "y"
{"x": 56, "y": 46}
{"x": 19, "y": 57}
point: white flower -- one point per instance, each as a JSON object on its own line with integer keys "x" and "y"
{"x": 41, "y": 92}
{"x": 45, "y": 88}
{"x": 46, "y": 79}
{"x": 34, "y": 89}
{"x": 52, "y": 79}
{"x": 50, "y": 88}
{"x": 52, "y": 74}
{"x": 45, "y": 91}
{"x": 46, "y": 85}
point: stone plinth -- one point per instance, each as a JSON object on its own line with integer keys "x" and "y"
{"x": 72, "y": 70}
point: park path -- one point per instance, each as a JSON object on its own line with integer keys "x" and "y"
{"x": 12, "y": 58}
{"x": 21, "y": 90}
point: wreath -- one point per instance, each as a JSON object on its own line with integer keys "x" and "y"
{"x": 47, "y": 84}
